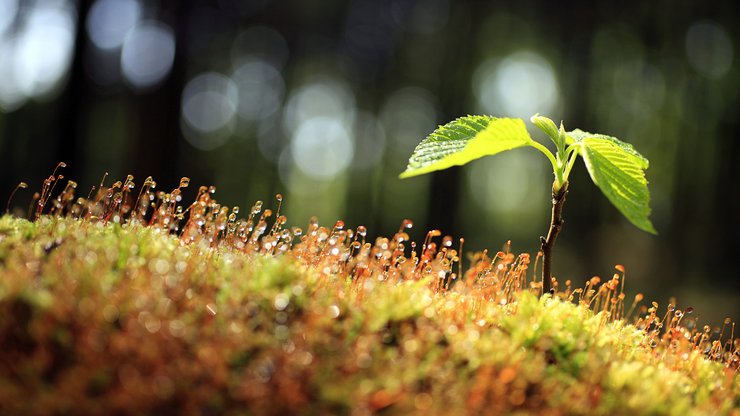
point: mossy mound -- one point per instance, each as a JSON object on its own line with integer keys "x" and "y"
{"x": 126, "y": 319}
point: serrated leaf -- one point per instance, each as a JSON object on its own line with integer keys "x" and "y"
{"x": 578, "y": 135}
{"x": 619, "y": 171}
{"x": 465, "y": 139}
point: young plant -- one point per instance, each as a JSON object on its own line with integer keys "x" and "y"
{"x": 615, "y": 167}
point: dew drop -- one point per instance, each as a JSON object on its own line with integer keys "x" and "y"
{"x": 281, "y": 301}
{"x": 334, "y": 311}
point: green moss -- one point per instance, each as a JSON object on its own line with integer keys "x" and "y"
{"x": 127, "y": 319}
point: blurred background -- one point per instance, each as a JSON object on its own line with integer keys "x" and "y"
{"x": 324, "y": 100}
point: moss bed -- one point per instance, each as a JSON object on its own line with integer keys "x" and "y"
{"x": 238, "y": 317}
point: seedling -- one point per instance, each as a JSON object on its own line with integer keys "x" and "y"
{"x": 615, "y": 167}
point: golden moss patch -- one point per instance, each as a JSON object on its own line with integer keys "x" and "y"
{"x": 98, "y": 318}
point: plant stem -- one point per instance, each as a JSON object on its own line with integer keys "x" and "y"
{"x": 556, "y": 223}
{"x": 547, "y": 154}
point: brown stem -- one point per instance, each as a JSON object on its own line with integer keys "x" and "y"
{"x": 556, "y": 223}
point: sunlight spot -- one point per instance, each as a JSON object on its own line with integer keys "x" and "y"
{"x": 322, "y": 147}
{"x": 324, "y": 98}
{"x": 108, "y": 21}
{"x": 520, "y": 85}
{"x": 11, "y": 94}
{"x": 43, "y": 49}
{"x": 209, "y": 103}
{"x": 261, "y": 89}
{"x": 148, "y": 53}
{"x": 8, "y": 10}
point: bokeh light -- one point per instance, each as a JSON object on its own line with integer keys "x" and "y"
{"x": 209, "y": 105}
{"x": 148, "y": 53}
{"x": 108, "y": 22}
{"x": 11, "y": 95}
{"x": 318, "y": 118}
{"x": 322, "y": 147}
{"x": 261, "y": 89}
{"x": 35, "y": 57}
{"x": 519, "y": 85}
{"x": 327, "y": 97}
{"x": 8, "y": 10}
{"x": 709, "y": 48}
{"x": 38, "y": 56}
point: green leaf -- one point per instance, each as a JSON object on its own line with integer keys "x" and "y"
{"x": 465, "y": 139}
{"x": 619, "y": 171}
{"x": 548, "y": 126}
{"x": 577, "y": 135}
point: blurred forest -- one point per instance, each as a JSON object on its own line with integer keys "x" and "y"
{"x": 324, "y": 100}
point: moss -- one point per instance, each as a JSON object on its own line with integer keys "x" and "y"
{"x": 116, "y": 318}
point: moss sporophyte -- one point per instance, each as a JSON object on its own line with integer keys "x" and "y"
{"x": 137, "y": 302}
{"x": 614, "y": 166}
